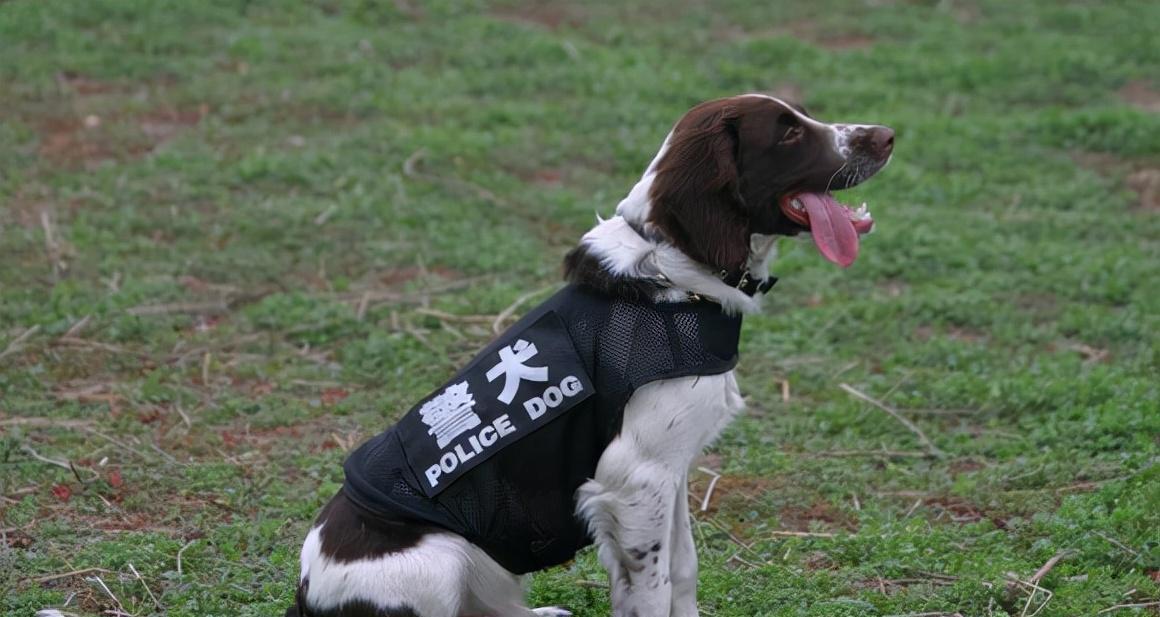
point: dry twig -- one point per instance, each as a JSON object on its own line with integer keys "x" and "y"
{"x": 504, "y": 315}
{"x": 43, "y": 422}
{"x": 930, "y": 447}
{"x": 53, "y": 577}
{"x": 76, "y": 328}
{"x": 1133, "y": 605}
{"x": 217, "y": 307}
{"x": 1116, "y": 542}
{"x": 52, "y": 246}
{"x": 146, "y": 586}
{"x": 1042, "y": 572}
{"x": 108, "y": 592}
{"x": 445, "y": 316}
{"x": 71, "y": 341}
{"x": 181, "y": 552}
{"x": 18, "y": 342}
{"x": 801, "y": 534}
{"x": 411, "y": 170}
{"x": 712, "y": 484}
{"x": 44, "y": 459}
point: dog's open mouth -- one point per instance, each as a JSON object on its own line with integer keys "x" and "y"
{"x": 835, "y": 227}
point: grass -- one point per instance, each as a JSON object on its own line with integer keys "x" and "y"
{"x": 222, "y": 225}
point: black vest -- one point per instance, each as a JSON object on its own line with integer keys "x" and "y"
{"x": 496, "y": 455}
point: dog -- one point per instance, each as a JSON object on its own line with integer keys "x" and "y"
{"x": 687, "y": 253}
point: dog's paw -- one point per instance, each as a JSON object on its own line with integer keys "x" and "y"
{"x": 552, "y": 611}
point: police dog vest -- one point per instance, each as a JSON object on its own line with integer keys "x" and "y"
{"x": 496, "y": 453}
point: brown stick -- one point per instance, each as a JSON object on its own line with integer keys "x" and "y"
{"x": 1042, "y": 572}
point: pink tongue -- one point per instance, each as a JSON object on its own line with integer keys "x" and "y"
{"x": 831, "y": 227}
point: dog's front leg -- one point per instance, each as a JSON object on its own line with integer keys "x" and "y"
{"x": 630, "y": 512}
{"x": 684, "y": 557}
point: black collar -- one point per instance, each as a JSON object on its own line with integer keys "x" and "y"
{"x": 739, "y": 280}
{"x": 747, "y": 284}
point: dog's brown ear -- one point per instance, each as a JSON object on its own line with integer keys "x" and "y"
{"x": 695, "y": 196}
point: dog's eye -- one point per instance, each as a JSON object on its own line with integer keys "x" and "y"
{"x": 792, "y": 135}
{"x": 791, "y": 129}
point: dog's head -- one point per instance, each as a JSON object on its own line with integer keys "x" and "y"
{"x": 755, "y": 164}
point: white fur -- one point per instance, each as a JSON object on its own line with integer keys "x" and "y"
{"x": 636, "y": 206}
{"x": 442, "y": 576}
{"x": 624, "y": 251}
{"x": 637, "y": 505}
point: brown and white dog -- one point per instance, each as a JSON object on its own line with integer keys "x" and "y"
{"x": 731, "y": 176}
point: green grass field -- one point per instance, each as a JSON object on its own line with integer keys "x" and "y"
{"x": 237, "y": 238}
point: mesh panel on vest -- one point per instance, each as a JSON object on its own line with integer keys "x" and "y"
{"x": 518, "y": 505}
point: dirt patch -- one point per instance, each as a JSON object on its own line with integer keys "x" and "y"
{"x": 1037, "y": 302}
{"x": 735, "y": 493}
{"x": 729, "y": 491}
{"x": 1146, "y": 184}
{"x": 76, "y": 141}
{"x": 1141, "y": 95}
{"x": 957, "y": 510}
{"x": 81, "y": 85}
{"x": 1141, "y": 176}
{"x": 955, "y": 333}
{"x": 820, "y": 36}
{"x": 550, "y": 15}
{"x": 530, "y": 171}
{"x": 163, "y": 124}
{"x": 92, "y": 139}
{"x": 965, "y": 465}
{"x": 800, "y": 518}
{"x": 312, "y": 436}
{"x": 24, "y": 210}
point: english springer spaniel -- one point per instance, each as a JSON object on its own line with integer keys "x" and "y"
{"x": 609, "y": 390}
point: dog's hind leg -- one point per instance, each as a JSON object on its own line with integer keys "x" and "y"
{"x": 493, "y": 591}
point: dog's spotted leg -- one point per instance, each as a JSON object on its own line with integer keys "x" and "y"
{"x": 631, "y": 505}
{"x": 630, "y": 519}
{"x": 684, "y": 559}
